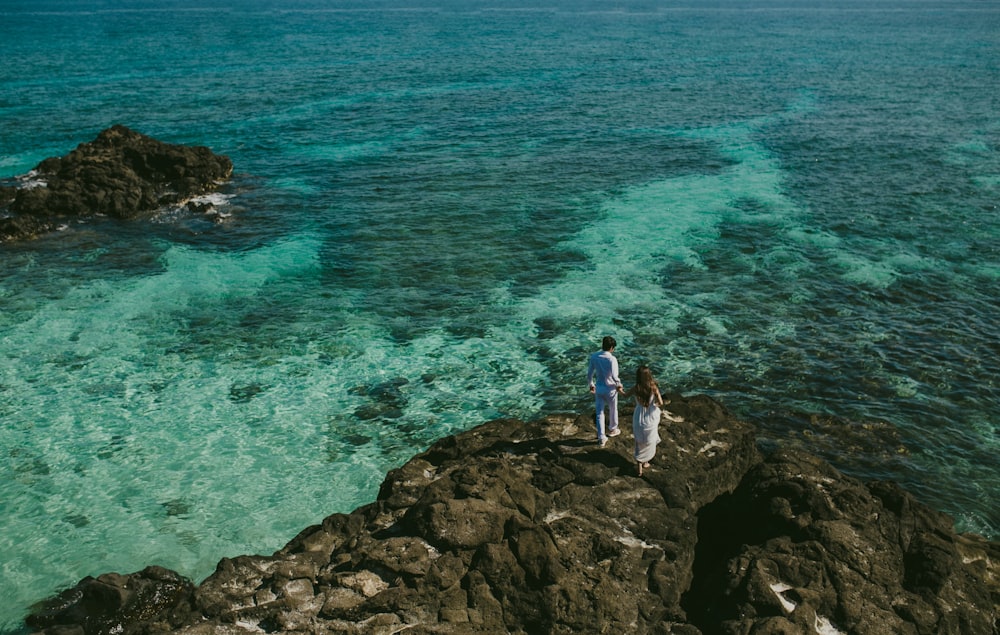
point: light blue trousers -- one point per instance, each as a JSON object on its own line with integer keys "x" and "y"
{"x": 609, "y": 401}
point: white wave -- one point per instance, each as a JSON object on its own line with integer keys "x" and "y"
{"x": 215, "y": 199}
{"x": 31, "y": 180}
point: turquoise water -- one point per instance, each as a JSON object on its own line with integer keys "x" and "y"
{"x": 438, "y": 210}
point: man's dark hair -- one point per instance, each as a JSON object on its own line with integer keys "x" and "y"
{"x": 608, "y": 343}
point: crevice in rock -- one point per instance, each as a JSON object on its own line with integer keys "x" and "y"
{"x": 717, "y": 544}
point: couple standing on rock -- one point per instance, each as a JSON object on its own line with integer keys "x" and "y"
{"x": 602, "y": 377}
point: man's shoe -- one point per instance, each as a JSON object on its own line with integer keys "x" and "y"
{"x": 602, "y": 442}
{"x": 615, "y": 432}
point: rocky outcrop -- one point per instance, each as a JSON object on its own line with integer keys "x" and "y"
{"x": 519, "y": 527}
{"x": 103, "y": 604}
{"x": 120, "y": 174}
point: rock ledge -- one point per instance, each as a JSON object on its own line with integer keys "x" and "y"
{"x": 517, "y": 527}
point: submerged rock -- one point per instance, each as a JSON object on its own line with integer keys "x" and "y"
{"x": 106, "y": 603}
{"x": 120, "y": 174}
{"x": 517, "y": 527}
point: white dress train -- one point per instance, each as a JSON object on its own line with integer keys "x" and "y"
{"x": 645, "y": 428}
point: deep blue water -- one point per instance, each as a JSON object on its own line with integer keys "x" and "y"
{"x": 440, "y": 207}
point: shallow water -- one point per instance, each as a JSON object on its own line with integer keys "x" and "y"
{"x": 438, "y": 212}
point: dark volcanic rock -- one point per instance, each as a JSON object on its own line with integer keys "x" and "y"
{"x": 519, "y": 527}
{"x": 111, "y": 602}
{"x": 120, "y": 174}
{"x": 817, "y": 549}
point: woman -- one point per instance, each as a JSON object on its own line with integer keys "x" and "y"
{"x": 646, "y": 419}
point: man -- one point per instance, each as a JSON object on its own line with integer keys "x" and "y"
{"x": 602, "y": 378}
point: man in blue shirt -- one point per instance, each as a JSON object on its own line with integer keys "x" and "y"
{"x": 602, "y": 378}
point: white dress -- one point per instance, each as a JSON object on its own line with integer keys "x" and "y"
{"x": 645, "y": 428}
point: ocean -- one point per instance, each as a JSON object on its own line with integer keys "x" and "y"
{"x": 439, "y": 207}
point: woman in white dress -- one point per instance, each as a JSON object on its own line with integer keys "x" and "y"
{"x": 646, "y": 419}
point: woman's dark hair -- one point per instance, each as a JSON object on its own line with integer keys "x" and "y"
{"x": 644, "y": 384}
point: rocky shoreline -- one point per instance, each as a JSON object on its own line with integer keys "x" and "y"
{"x": 530, "y": 527}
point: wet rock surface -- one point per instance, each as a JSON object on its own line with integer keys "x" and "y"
{"x": 517, "y": 527}
{"x": 120, "y": 174}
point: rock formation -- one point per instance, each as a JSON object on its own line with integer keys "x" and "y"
{"x": 517, "y": 527}
{"x": 120, "y": 174}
